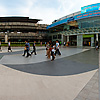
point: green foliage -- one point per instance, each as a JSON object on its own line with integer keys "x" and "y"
{"x": 19, "y": 44}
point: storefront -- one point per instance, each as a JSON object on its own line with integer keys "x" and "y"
{"x": 88, "y": 40}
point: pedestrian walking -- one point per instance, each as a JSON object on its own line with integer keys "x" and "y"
{"x": 28, "y": 48}
{"x": 9, "y": 46}
{"x": 68, "y": 43}
{"x": 57, "y": 48}
{"x": 64, "y": 43}
{"x": 25, "y": 49}
{"x": 45, "y": 44}
{"x": 47, "y": 48}
{"x": 97, "y": 45}
{"x": 53, "y": 53}
{"x": 49, "y": 52}
{"x": 34, "y": 48}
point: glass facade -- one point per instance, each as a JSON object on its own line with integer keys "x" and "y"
{"x": 89, "y": 22}
{"x": 54, "y": 36}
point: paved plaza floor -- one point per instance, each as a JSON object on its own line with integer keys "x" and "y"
{"x": 71, "y": 76}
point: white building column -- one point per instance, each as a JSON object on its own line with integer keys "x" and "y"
{"x": 6, "y": 38}
{"x": 92, "y": 41}
{"x": 62, "y": 39}
{"x": 67, "y": 38}
{"x": 97, "y": 37}
{"x": 79, "y": 40}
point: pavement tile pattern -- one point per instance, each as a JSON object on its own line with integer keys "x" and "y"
{"x": 91, "y": 90}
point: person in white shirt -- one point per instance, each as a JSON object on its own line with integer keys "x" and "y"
{"x": 64, "y": 43}
{"x": 53, "y": 53}
{"x": 9, "y": 46}
{"x": 57, "y": 48}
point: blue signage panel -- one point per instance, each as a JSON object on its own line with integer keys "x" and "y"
{"x": 70, "y": 19}
{"x": 77, "y": 17}
{"x": 61, "y": 22}
{"x": 57, "y": 23}
{"x": 89, "y": 8}
{"x": 86, "y": 15}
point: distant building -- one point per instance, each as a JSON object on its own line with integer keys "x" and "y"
{"x": 19, "y": 29}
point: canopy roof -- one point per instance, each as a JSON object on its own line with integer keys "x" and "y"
{"x": 18, "y": 19}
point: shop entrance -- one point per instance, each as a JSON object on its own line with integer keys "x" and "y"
{"x": 73, "y": 40}
{"x": 86, "y": 41}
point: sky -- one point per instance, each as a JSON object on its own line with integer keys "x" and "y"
{"x": 47, "y": 10}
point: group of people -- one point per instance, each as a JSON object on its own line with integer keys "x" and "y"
{"x": 52, "y": 49}
{"x": 27, "y": 49}
{"x": 66, "y": 44}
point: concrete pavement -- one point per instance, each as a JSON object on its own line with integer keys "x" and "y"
{"x": 37, "y": 78}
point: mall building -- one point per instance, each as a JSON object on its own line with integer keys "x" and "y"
{"x": 19, "y": 29}
{"x": 81, "y": 28}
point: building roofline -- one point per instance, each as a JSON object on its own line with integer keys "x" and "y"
{"x": 18, "y": 19}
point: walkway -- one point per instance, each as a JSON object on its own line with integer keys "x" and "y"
{"x": 37, "y": 78}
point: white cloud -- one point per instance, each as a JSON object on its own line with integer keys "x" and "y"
{"x": 46, "y": 10}
{"x": 26, "y": 8}
{"x": 47, "y": 15}
{"x": 71, "y": 6}
{"x": 38, "y": 12}
{"x": 3, "y": 11}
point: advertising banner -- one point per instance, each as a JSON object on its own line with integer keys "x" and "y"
{"x": 89, "y": 8}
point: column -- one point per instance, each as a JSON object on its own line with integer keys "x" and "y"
{"x": 79, "y": 40}
{"x": 52, "y": 37}
{"x": 6, "y": 38}
{"x": 92, "y": 41}
{"x": 62, "y": 39}
{"x": 97, "y": 37}
{"x": 67, "y": 38}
